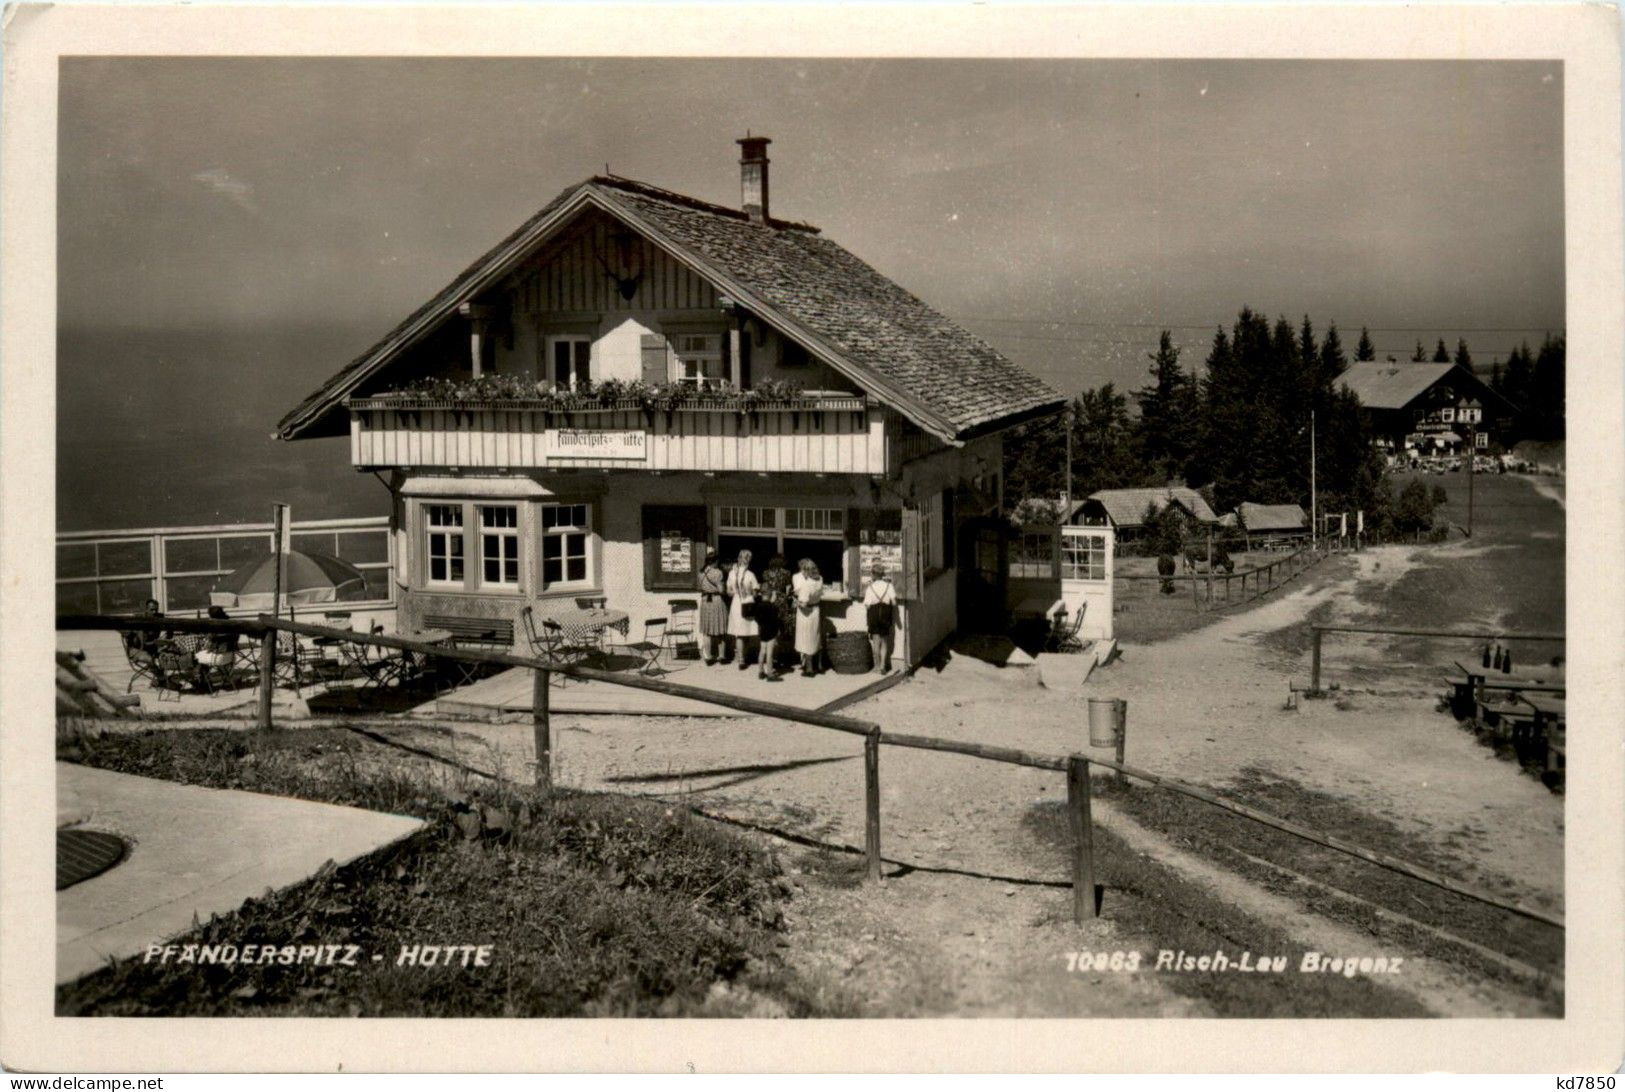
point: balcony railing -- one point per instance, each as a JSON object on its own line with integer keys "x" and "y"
{"x": 810, "y": 432}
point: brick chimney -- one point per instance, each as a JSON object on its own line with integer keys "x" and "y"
{"x": 753, "y": 176}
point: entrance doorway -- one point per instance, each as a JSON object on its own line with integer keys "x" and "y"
{"x": 982, "y": 552}
{"x": 1086, "y": 578}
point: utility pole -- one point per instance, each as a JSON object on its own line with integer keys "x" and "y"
{"x": 1472, "y": 457}
{"x": 1314, "y": 507}
{"x": 1066, "y": 510}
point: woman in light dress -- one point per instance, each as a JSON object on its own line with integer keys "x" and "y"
{"x": 742, "y": 586}
{"x": 808, "y": 587}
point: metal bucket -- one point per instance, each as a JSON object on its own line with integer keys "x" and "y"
{"x": 1103, "y": 721}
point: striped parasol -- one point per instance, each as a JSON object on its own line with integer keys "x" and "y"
{"x": 307, "y": 578}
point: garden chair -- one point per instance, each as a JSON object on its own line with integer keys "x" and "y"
{"x": 683, "y": 630}
{"x": 650, "y": 647}
{"x": 218, "y": 660}
{"x": 1063, "y": 635}
{"x": 143, "y": 661}
{"x": 550, "y": 641}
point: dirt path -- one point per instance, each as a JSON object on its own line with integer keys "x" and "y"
{"x": 973, "y": 920}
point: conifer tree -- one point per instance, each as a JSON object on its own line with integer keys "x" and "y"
{"x": 1441, "y": 355}
{"x": 1163, "y": 431}
{"x": 1463, "y": 357}
{"x": 1365, "y": 350}
{"x": 1421, "y": 354}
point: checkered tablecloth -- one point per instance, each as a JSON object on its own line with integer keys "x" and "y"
{"x": 582, "y": 626}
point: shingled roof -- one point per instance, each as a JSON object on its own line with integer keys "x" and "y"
{"x": 1272, "y": 517}
{"x": 1387, "y": 385}
{"x": 1126, "y": 507}
{"x": 946, "y": 380}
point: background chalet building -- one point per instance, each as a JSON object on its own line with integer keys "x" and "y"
{"x": 1428, "y": 409}
{"x": 634, "y": 376}
{"x": 1124, "y": 510}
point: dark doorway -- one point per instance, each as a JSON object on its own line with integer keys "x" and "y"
{"x": 982, "y": 553}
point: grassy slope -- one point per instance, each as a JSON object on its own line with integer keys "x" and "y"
{"x": 1240, "y": 844}
{"x": 1518, "y": 574}
{"x": 593, "y": 905}
{"x": 1149, "y": 900}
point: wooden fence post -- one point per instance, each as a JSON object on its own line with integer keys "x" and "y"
{"x": 541, "y": 724}
{"x": 1083, "y": 840}
{"x": 871, "y": 803}
{"x": 1314, "y": 663}
{"x": 267, "y": 676}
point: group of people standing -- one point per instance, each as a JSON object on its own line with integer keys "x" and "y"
{"x": 744, "y": 617}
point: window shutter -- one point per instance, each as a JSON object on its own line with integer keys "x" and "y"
{"x": 654, "y": 359}
{"x": 950, "y": 532}
{"x": 651, "y": 546}
{"x": 910, "y": 582}
{"x": 855, "y": 521}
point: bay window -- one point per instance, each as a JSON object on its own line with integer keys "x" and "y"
{"x": 566, "y": 558}
{"x": 499, "y": 545}
{"x": 444, "y": 532}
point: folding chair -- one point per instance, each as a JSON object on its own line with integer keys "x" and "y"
{"x": 684, "y": 627}
{"x": 143, "y": 664}
{"x": 650, "y": 648}
{"x": 550, "y": 642}
{"x": 1063, "y": 636}
{"x": 175, "y": 669}
{"x": 218, "y": 660}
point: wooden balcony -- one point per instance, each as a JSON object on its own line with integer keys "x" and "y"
{"x": 825, "y": 434}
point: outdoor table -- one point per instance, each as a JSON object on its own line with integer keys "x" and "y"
{"x": 584, "y": 626}
{"x": 415, "y": 665}
{"x": 1551, "y": 721}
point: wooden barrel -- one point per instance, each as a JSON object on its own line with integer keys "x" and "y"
{"x": 849, "y": 653}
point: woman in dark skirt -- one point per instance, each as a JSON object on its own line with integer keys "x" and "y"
{"x": 713, "y": 607}
{"x": 771, "y": 603}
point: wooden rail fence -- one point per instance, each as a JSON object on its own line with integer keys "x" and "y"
{"x": 1086, "y": 903}
{"x": 1319, "y": 632}
{"x": 1265, "y": 578}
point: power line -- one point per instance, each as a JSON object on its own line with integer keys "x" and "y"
{"x": 1401, "y": 355}
{"x": 1215, "y": 325}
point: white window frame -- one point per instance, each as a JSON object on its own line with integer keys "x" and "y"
{"x": 682, "y": 354}
{"x": 563, "y": 533}
{"x": 576, "y": 381}
{"x": 1091, "y": 549}
{"x": 774, "y": 521}
{"x": 506, "y": 538}
{"x": 450, "y": 533}
{"x": 1025, "y": 561}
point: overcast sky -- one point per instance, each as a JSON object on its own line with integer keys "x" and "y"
{"x": 1113, "y": 197}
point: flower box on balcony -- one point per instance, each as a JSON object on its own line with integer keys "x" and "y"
{"x": 698, "y": 404}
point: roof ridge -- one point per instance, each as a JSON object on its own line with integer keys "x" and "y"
{"x": 683, "y": 200}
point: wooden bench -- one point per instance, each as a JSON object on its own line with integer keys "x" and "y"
{"x": 491, "y": 633}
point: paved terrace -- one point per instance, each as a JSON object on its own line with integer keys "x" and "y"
{"x": 503, "y": 696}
